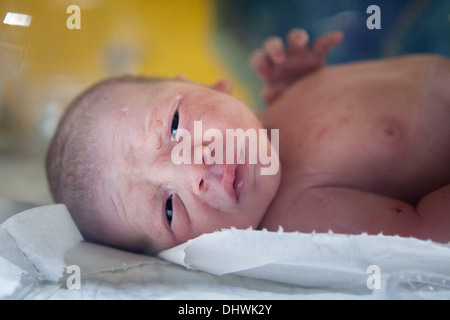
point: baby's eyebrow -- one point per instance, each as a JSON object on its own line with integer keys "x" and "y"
{"x": 152, "y": 121}
{"x": 151, "y": 125}
{"x": 148, "y": 121}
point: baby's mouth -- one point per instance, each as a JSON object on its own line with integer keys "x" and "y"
{"x": 240, "y": 172}
{"x": 240, "y": 178}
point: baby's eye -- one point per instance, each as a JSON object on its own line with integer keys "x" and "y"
{"x": 174, "y": 125}
{"x": 169, "y": 210}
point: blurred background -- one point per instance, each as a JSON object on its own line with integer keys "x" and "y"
{"x": 44, "y": 64}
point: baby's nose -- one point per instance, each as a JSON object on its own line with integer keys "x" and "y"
{"x": 198, "y": 184}
{"x": 209, "y": 171}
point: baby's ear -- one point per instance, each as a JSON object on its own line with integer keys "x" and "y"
{"x": 182, "y": 77}
{"x": 222, "y": 86}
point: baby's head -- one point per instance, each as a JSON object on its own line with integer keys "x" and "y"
{"x": 111, "y": 163}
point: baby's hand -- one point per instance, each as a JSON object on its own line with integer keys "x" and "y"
{"x": 280, "y": 65}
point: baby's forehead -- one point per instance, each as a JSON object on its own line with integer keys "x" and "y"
{"x": 148, "y": 94}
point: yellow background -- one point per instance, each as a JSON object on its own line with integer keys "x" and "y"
{"x": 46, "y": 64}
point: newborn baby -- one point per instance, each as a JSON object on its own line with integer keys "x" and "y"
{"x": 363, "y": 147}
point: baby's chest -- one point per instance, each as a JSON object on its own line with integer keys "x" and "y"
{"x": 379, "y": 152}
{"x": 349, "y": 145}
{"x": 342, "y": 139}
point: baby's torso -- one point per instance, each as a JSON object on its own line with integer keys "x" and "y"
{"x": 381, "y": 127}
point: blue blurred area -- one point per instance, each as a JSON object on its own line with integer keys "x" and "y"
{"x": 407, "y": 26}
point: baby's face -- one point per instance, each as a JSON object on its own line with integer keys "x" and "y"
{"x": 162, "y": 203}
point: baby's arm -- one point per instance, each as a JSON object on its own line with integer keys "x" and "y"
{"x": 350, "y": 211}
{"x": 280, "y": 66}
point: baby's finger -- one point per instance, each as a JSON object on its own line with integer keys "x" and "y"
{"x": 297, "y": 40}
{"x": 260, "y": 63}
{"x": 275, "y": 49}
{"x": 327, "y": 42}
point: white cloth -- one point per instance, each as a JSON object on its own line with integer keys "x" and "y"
{"x": 37, "y": 246}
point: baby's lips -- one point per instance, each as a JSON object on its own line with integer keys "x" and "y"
{"x": 228, "y": 179}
